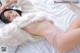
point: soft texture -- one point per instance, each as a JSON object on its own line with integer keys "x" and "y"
{"x": 59, "y": 13}
{"x": 62, "y": 16}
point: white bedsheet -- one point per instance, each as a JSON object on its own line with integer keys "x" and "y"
{"x": 9, "y": 49}
{"x": 62, "y": 17}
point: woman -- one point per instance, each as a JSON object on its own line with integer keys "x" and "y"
{"x": 70, "y": 37}
{"x": 45, "y": 35}
{"x": 67, "y": 43}
{"x": 11, "y": 14}
{"x": 14, "y": 30}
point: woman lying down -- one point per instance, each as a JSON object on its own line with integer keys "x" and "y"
{"x": 15, "y": 20}
{"x": 15, "y": 31}
{"x": 39, "y": 24}
{"x": 17, "y": 25}
{"x": 43, "y": 28}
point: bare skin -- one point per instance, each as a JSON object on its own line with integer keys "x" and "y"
{"x": 8, "y": 3}
{"x": 63, "y": 41}
{"x": 70, "y": 38}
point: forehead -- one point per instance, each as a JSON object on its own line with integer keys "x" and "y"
{"x": 8, "y": 12}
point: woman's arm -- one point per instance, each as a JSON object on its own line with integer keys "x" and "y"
{"x": 4, "y": 6}
{"x": 8, "y": 4}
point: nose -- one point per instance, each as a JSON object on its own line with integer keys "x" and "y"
{"x": 12, "y": 16}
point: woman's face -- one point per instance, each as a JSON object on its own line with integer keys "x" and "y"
{"x": 11, "y": 14}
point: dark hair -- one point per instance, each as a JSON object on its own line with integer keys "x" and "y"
{"x": 4, "y": 19}
{"x": 0, "y": 3}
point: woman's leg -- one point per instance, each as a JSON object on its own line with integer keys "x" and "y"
{"x": 63, "y": 41}
{"x": 70, "y": 38}
{"x": 75, "y": 24}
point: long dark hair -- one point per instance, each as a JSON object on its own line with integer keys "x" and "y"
{"x": 0, "y": 3}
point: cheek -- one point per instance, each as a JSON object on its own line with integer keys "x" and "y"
{"x": 6, "y": 14}
{"x": 15, "y": 14}
{"x": 12, "y": 18}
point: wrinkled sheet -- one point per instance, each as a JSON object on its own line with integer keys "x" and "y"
{"x": 43, "y": 46}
